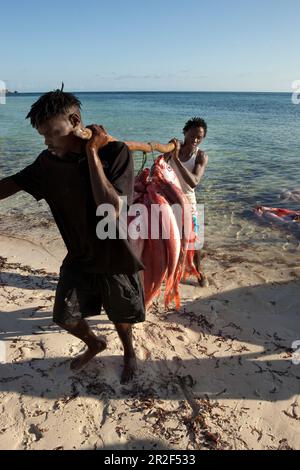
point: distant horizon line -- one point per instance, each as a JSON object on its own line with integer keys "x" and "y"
{"x": 152, "y": 91}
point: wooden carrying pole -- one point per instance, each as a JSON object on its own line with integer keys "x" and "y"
{"x": 86, "y": 134}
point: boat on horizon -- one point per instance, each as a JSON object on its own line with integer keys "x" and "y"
{"x": 9, "y": 93}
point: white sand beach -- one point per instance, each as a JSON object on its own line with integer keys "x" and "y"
{"x": 216, "y": 375}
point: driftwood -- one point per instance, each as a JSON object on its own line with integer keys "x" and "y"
{"x": 86, "y": 134}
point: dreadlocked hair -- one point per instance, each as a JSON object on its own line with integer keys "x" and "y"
{"x": 50, "y": 105}
{"x": 195, "y": 122}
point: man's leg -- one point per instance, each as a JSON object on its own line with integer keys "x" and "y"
{"x": 124, "y": 303}
{"x": 95, "y": 344}
{"x": 202, "y": 279}
{"x": 76, "y": 293}
{"x": 130, "y": 365}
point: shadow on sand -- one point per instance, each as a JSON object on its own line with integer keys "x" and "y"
{"x": 270, "y": 321}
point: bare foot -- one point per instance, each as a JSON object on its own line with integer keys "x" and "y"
{"x": 129, "y": 370}
{"x": 203, "y": 281}
{"x": 83, "y": 359}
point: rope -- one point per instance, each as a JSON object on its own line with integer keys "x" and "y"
{"x": 143, "y": 163}
{"x": 152, "y": 151}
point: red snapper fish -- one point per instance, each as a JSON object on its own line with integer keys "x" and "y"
{"x": 281, "y": 216}
{"x": 167, "y": 256}
{"x": 164, "y": 172}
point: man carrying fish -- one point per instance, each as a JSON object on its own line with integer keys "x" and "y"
{"x": 189, "y": 163}
{"x": 75, "y": 177}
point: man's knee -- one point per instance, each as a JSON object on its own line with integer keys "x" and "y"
{"x": 68, "y": 325}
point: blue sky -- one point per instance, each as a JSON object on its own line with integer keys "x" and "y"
{"x": 157, "y": 45}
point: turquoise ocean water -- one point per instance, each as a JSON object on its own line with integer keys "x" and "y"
{"x": 253, "y": 145}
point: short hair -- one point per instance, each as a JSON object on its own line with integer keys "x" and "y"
{"x": 195, "y": 122}
{"x": 50, "y": 105}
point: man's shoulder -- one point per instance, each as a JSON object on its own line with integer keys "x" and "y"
{"x": 38, "y": 161}
{"x": 115, "y": 154}
{"x": 115, "y": 147}
{"x": 202, "y": 157}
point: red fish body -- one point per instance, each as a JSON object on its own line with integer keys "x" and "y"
{"x": 277, "y": 214}
{"x": 166, "y": 252}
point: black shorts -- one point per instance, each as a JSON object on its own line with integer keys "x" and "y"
{"x": 80, "y": 295}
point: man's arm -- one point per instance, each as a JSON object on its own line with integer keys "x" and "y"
{"x": 103, "y": 190}
{"x": 192, "y": 179}
{"x": 8, "y": 187}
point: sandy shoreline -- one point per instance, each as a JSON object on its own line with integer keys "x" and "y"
{"x": 216, "y": 375}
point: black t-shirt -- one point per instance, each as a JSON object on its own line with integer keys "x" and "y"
{"x": 66, "y": 186}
